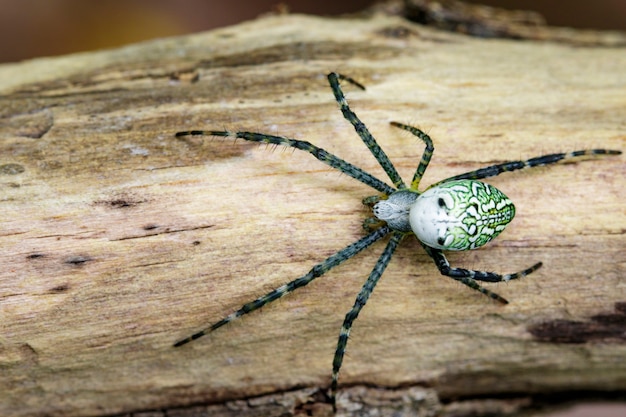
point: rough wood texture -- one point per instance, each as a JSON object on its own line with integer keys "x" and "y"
{"x": 118, "y": 239}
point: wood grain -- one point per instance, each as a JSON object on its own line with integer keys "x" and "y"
{"x": 119, "y": 239}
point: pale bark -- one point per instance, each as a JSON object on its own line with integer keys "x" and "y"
{"x": 119, "y": 239}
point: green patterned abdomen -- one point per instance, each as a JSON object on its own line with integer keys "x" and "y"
{"x": 460, "y": 215}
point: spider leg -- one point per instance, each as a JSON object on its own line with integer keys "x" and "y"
{"x": 361, "y": 299}
{"x": 361, "y": 129}
{"x": 428, "y": 152}
{"x": 319, "y": 153}
{"x": 493, "y": 170}
{"x": 469, "y": 277}
{"x": 317, "y": 271}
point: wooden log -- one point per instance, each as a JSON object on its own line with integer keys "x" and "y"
{"x": 118, "y": 239}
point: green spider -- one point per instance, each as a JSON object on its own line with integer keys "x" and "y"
{"x": 458, "y": 213}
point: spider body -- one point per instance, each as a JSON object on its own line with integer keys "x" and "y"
{"x": 457, "y": 213}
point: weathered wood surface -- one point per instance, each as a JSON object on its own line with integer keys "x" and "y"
{"x": 118, "y": 239}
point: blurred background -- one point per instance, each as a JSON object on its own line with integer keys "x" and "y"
{"x": 35, "y": 28}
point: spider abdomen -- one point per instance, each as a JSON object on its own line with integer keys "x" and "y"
{"x": 460, "y": 215}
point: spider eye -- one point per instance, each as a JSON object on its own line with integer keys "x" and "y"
{"x": 441, "y": 241}
{"x": 441, "y": 202}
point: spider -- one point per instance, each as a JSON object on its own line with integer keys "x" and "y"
{"x": 455, "y": 214}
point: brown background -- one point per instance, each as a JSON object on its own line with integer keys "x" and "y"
{"x": 35, "y": 28}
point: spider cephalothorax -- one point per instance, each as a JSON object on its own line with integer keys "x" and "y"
{"x": 457, "y": 213}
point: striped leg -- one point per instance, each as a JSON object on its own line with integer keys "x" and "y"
{"x": 319, "y": 153}
{"x": 426, "y": 156}
{"x": 361, "y": 129}
{"x": 492, "y": 171}
{"x": 469, "y": 277}
{"x": 317, "y": 271}
{"x": 361, "y": 299}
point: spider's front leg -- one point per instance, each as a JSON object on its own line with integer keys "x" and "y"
{"x": 469, "y": 276}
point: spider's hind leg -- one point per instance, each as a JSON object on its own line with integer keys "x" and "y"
{"x": 538, "y": 161}
{"x": 469, "y": 276}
